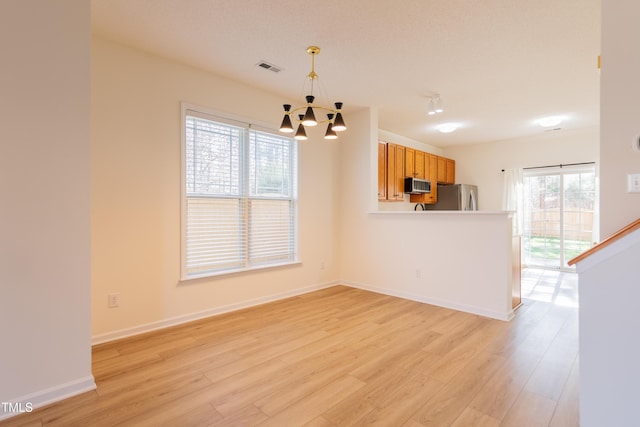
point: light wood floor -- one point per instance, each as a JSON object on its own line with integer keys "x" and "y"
{"x": 337, "y": 357}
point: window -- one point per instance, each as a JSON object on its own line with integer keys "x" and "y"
{"x": 559, "y": 214}
{"x": 239, "y": 197}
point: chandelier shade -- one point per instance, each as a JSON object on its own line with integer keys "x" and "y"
{"x": 309, "y": 118}
{"x": 301, "y": 134}
{"x": 335, "y": 121}
{"x": 286, "y": 126}
{"x": 330, "y": 133}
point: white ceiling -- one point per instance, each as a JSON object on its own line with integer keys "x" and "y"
{"x": 498, "y": 64}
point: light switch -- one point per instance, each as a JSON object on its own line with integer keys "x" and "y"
{"x": 633, "y": 183}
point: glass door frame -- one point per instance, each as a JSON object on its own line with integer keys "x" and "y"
{"x": 561, "y": 171}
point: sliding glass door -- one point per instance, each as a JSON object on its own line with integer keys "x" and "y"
{"x": 559, "y": 215}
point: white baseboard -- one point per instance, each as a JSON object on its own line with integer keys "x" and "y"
{"x": 178, "y": 320}
{"x": 434, "y": 301}
{"x": 50, "y": 395}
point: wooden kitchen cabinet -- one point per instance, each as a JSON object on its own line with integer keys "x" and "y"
{"x": 409, "y": 162}
{"x": 442, "y": 170}
{"x": 428, "y": 171}
{"x": 431, "y": 173}
{"x": 382, "y": 171}
{"x": 451, "y": 171}
{"x": 419, "y": 164}
{"x": 414, "y": 163}
{"x": 395, "y": 172}
{"x": 395, "y": 162}
{"x": 446, "y": 171}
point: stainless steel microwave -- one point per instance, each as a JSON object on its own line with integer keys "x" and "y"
{"x": 416, "y": 186}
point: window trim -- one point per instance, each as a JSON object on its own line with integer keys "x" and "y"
{"x": 243, "y": 122}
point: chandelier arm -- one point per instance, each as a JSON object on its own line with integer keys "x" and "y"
{"x": 319, "y": 107}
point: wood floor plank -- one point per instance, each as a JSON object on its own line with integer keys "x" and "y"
{"x": 497, "y": 396}
{"x": 165, "y": 369}
{"x": 472, "y": 417}
{"x": 308, "y": 375}
{"x": 454, "y": 397}
{"x": 261, "y": 353}
{"x": 552, "y": 372}
{"x": 567, "y": 412}
{"x": 319, "y": 422}
{"x": 122, "y": 364}
{"x": 248, "y": 416}
{"x": 398, "y": 407}
{"x": 338, "y": 356}
{"x": 380, "y": 387}
{"x": 125, "y": 407}
{"x": 530, "y": 410}
{"x": 464, "y": 351}
{"x": 337, "y": 337}
{"x": 242, "y": 388}
{"x": 312, "y": 406}
{"x": 190, "y": 410}
{"x": 98, "y": 355}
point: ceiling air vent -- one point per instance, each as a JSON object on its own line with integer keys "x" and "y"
{"x": 268, "y": 66}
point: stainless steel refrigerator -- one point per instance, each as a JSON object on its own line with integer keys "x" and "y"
{"x": 456, "y": 197}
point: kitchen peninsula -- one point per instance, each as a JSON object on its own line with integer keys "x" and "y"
{"x": 456, "y": 259}
{"x": 466, "y": 261}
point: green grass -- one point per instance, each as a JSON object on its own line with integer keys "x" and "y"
{"x": 549, "y": 248}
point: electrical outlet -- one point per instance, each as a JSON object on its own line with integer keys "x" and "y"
{"x": 322, "y": 265}
{"x": 114, "y": 300}
{"x": 418, "y": 273}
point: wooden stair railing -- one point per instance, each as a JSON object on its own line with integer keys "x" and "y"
{"x": 606, "y": 242}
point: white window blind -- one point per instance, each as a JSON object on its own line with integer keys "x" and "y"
{"x": 240, "y": 197}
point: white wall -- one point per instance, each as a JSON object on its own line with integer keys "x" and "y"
{"x": 136, "y": 195}
{"x": 44, "y": 200}
{"x": 481, "y": 164}
{"x": 620, "y": 113}
{"x": 609, "y": 324}
{"x": 609, "y": 319}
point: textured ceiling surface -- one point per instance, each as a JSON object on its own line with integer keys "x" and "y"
{"x": 498, "y": 64}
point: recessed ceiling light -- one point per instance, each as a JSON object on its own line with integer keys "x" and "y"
{"x": 550, "y": 121}
{"x": 448, "y": 127}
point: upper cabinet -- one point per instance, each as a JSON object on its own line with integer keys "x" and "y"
{"x": 391, "y": 169}
{"x": 427, "y": 165}
{"x": 451, "y": 171}
{"x": 414, "y": 163}
{"x": 419, "y": 166}
{"x": 395, "y": 172}
{"x": 446, "y": 171}
{"x": 431, "y": 162}
{"x": 382, "y": 171}
{"x": 409, "y": 162}
{"x": 395, "y": 162}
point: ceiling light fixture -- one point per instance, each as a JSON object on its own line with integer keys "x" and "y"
{"x": 334, "y": 120}
{"x": 448, "y": 127}
{"x": 550, "y": 121}
{"x": 435, "y": 105}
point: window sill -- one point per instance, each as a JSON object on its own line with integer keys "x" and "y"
{"x": 239, "y": 271}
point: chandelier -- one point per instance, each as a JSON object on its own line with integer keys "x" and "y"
{"x": 334, "y": 120}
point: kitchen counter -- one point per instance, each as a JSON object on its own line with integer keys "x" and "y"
{"x": 430, "y": 213}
